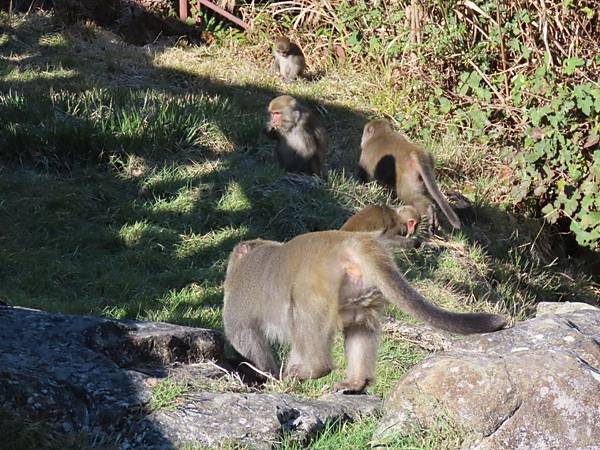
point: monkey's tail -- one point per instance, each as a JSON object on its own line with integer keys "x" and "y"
{"x": 382, "y": 271}
{"x": 429, "y": 180}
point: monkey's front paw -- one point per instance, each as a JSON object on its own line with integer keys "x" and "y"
{"x": 350, "y": 387}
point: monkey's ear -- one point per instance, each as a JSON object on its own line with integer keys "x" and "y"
{"x": 370, "y": 129}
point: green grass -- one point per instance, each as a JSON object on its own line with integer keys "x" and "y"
{"x": 166, "y": 394}
{"x": 127, "y": 176}
{"x": 359, "y": 435}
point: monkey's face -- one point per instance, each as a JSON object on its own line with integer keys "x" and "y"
{"x": 282, "y": 46}
{"x": 282, "y": 110}
{"x": 408, "y": 215}
{"x": 411, "y": 225}
{"x": 276, "y": 119}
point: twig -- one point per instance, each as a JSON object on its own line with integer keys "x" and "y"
{"x": 502, "y": 51}
{"x": 488, "y": 82}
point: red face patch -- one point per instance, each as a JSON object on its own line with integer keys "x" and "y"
{"x": 276, "y": 119}
{"x": 410, "y": 225}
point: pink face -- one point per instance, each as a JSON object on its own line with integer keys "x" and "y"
{"x": 275, "y": 119}
{"x": 410, "y": 226}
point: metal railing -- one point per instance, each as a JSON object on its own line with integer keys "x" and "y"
{"x": 184, "y": 12}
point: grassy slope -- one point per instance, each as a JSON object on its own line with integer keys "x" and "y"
{"x": 143, "y": 167}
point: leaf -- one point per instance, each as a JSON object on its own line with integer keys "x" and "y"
{"x": 585, "y": 104}
{"x": 571, "y": 64}
{"x": 571, "y": 206}
{"x": 550, "y": 213}
{"x": 445, "y": 105}
{"x": 519, "y": 192}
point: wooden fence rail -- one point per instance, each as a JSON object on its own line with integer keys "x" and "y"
{"x": 184, "y": 12}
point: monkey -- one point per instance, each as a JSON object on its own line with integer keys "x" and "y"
{"x": 405, "y": 167}
{"x": 301, "y": 139}
{"x": 301, "y": 291}
{"x": 289, "y": 60}
{"x": 393, "y": 221}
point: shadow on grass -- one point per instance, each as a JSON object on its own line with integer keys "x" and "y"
{"x": 123, "y": 194}
{"x": 122, "y": 245}
{"x": 113, "y": 241}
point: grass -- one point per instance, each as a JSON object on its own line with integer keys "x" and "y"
{"x": 128, "y": 174}
{"x": 359, "y": 435}
{"x": 165, "y": 395}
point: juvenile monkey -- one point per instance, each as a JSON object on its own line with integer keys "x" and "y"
{"x": 301, "y": 291}
{"x": 393, "y": 221}
{"x": 394, "y": 162}
{"x": 301, "y": 139}
{"x": 289, "y": 60}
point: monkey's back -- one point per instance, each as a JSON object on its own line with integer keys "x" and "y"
{"x": 370, "y": 218}
{"x": 390, "y": 160}
{"x": 257, "y": 289}
{"x": 303, "y": 148}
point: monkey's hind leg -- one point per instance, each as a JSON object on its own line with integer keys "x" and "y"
{"x": 310, "y": 354}
{"x": 360, "y": 344}
{"x": 252, "y": 344}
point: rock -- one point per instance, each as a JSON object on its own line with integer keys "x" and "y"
{"x": 533, "y": 386}
{"x": 95, "y": 375}
{"x": 134, "y": 344}
{"x": 80, "y": 370}
{"x": 560, "y": 307}
{"x": 254, "y": 420}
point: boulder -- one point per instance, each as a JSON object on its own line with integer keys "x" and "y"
{"x": 251, "y": 420}
{"x": 80, "y": 371}
{"x": 96, "y": 376}
{"x": 533, "y": 386}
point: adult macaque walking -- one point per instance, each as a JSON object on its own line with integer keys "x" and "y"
{"x": 394, "y": 162}
{"x": 301, "y": 139}
{"x": 299, "y": 292}
{"x": 391, "y": 221}
{"x": 289, "y": 60}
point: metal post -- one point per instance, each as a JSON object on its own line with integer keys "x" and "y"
{"x": 183, "y": 10}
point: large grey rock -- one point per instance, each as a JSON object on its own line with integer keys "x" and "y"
{"x": 254, "y": 420}
{"x": 543, "y": 308}
{"x": 534, "y": 386}
{"x": 96, "y": 375}
{"x": 77, "y": 370}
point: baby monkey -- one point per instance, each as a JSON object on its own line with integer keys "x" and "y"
{"x": 289, "y": 60}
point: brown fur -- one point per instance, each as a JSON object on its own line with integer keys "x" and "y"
{"x": 395, "y": 162}
{"x": 301, "y": 140}
{"x": 301, "y": 291}
{"x": 391, "y": 221}
{"x": 289, "y": 60}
